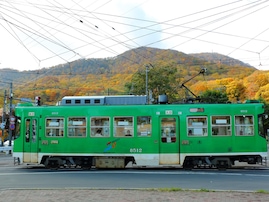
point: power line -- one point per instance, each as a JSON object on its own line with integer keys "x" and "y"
{"x": 54, "y": 10}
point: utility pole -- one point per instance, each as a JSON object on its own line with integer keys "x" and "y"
{"x": 10, "y": 113}
{"x": 4, "y": 118}
{"x": 147, "y": 70}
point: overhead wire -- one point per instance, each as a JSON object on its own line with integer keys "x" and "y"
{"x": 15, "y": 36}
{"x": 26, "y": 31}
{"x": 141, "y": 28}
{"x": 165, "y": 23}
{"x": 113, "y": 37}
{"x": 53, "y": 5}
{"x": 238, "y": 47}
{"x": 93, "y": 27}
{"x": 133, "y": 40}
{"x": 127, "y": 38}
{"x": 49, "y": 39}
{"x": 48, "y": 31}
{"x": 37, "y": 77}
{"x": 196, "y": 28}
{"x": 215, "y": 20}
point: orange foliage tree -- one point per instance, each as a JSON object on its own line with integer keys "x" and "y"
{"x": 263, "y": 93}
{"x": 236, "y": 91}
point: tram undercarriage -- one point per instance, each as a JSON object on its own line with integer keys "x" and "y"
{"x": 220, "y": 162}
{"x": 85, "y": 162}
{"x": 120, "y": 162}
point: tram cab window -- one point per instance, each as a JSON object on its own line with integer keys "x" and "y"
{"x": 244, "y": 125}
{"x": 54, "y": 127}
{"x": 144, "y": 126}
{"x": 123, "y": 127}
{"x": 221, "y": 125}
{"x": 18, "y": 128}
{"x": 261, "y": 126}
{"x": 197, "y": 126}
{"x": 76, "y": 127}
{"x": 100, "y": 127}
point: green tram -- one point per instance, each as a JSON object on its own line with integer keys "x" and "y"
{"x": 113, "y": 131}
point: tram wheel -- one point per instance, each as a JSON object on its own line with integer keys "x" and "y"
{"x": 222, "y": 165}
{"x": 188, "y": 165}
{"x": 52, "y": 163}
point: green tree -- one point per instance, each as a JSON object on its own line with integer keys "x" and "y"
{"x": 214, "y": 96}
{"x": 161, "y": 80}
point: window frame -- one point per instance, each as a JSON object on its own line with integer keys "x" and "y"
{"x": 198, "y": 127}
{"x": 215, "y": 127}
{"x": 144, "y": 128}
{"x": 244, "y": 127}
{"x": 104, "y": 126}
{"x": 124, "y": 126}
{"x": 59, "y": 128}
{"x": 77, "y": 127}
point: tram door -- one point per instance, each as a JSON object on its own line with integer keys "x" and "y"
{"x": 169, "y": 140}
{"x": 30, "y": 148}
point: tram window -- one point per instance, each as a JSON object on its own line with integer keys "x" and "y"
{"x": 54, "y": 127}
{"x": 100, "y": 127}
{"x": 144, "y": 126}
{"x": 221, "y": 125}
{"x": 123, "y": 127}
{"x": 197, "y": 126}
{"x": 244, "y": 125}
{"x": 97, "y": 101}
{"x": 76, "y": 127}
{"x": 168, "y": 130}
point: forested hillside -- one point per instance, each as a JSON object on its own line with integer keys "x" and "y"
{"x": 115, "y": 75}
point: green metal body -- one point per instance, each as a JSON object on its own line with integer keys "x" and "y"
{"x": 150, "y": 149}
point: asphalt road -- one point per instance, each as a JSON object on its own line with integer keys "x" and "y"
{"x": 250, "y": 179}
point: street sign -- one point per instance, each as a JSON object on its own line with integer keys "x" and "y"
{"x": 12, "y": 120}
{"x": 12, "y": 126}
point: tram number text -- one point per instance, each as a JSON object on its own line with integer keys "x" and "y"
{"x": 136, "y": 150}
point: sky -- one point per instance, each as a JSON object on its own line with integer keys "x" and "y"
{"x": 41, "y": 34}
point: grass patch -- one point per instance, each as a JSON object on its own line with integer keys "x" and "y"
{"x": 204, "y": 190}
{"x": 262, "y": 191}
{"x": 170, "y": 189}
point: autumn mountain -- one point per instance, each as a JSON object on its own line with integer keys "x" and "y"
{"x": 109, "y": 75}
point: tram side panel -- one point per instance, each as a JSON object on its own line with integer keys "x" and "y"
{"x": 223, "y": 133}
{"x": 160, "y": 134}
{"x": 142, "y": 144}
